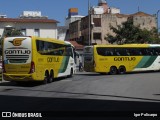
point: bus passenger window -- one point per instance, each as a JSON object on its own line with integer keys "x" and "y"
{"x": 106, "y": 53}
{"x": 111, "y": 53}
{"x": 127, "y": 53}
{"x": 117, "y": 53}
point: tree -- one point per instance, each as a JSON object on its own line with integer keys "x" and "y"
{"x": 10, "y": 33}
{"x": 13, "y": 32}
{"x": 128, "y": 33}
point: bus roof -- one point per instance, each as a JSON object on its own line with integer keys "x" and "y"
{"x": 130, "y": 45}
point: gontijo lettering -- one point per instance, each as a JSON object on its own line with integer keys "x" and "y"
{"x": 124, "y": 59}
{"x": 53, "y": 59}
{"x": 17, "y": 52}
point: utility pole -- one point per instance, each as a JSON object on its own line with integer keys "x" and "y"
{"x": 89, "y": 23}
{"x": 157, "y": 21}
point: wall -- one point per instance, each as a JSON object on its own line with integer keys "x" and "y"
{"x": 74, "y": 31}
{"x": 147, "y": 22}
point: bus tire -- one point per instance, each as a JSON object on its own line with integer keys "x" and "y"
{"x": 51, "y": 77}
{"x": 46, "y": 77}
{"x": 113, "y": 70}
{"x": 122, "y": 70}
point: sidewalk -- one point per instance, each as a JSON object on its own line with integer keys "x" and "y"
{"x": 78, "y": 72}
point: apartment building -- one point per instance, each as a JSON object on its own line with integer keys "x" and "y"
{"x": 99, "y": 27}
{"x": 96, "y": 25}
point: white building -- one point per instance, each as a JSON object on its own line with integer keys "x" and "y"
{"x": 30, "y": 27}
{"x": 103, "y": 8}
{"x": 72, "y": 19}
{"x": 3, "y": 16}
{"x": 114, "y": 10}
{"x": 97, "y": 10}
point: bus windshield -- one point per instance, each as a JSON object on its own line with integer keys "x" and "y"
{"x": 88, "y": 58}
{"x": 88, "y": 53}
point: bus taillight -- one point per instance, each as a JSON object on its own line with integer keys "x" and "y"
{"x": 32, "y": 70}
{"x": 3, "y": 67}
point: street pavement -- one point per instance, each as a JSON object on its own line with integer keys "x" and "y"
{"x": 90, "y": 92}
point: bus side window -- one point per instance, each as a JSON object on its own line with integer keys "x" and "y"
{"x": 116, "y": 52}
{"x": 151, "y": 53}
{"x": 127, "y": 52}
{"x": 156, "y": 53}
{"x": 111, "y": 53}
{"x": 139, "y": 52}
{"x": 106, "y": 53}
{"x": 60, "y": 52}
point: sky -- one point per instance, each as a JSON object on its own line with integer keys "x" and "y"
{"x": 58, "y": 9}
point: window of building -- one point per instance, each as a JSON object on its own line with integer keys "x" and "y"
{"x": 36, "y": 32}
{"x": 23, "y": 31}
{"x": 97, "y": 22}
{"x": 96, "y": 36}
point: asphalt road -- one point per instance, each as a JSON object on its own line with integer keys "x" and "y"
{"x": 90, "y": 92}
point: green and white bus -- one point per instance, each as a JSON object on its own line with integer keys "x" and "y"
{"x": 115, "y": 59}
{"x": 37, "y": 59}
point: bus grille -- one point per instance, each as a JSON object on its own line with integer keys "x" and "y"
{"x": 13, "y": 57}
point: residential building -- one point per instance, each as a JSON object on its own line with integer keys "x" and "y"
{"x": 74, "y": 31}
{"x": 31, "y": 24}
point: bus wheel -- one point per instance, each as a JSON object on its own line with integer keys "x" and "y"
{"x": 51, "y": 77}
{"x": 113, "y": 70}
{"x": 46, "y": 78}
{"x": 122, "y": 70}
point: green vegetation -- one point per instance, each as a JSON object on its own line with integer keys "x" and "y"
{"x": 11, "y": 32}
{"x": 128, "y": 33}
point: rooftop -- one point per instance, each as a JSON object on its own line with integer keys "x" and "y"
{"x": 28, "y": 20}
{"x": 76, "y": 45}
{"x": 140, "y": 14}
